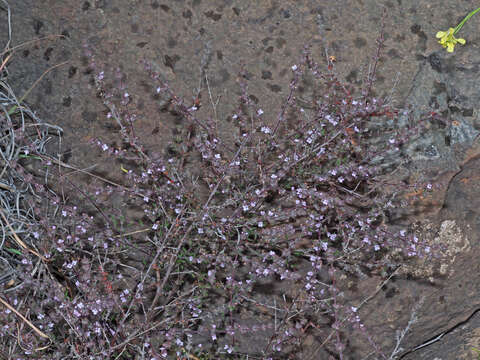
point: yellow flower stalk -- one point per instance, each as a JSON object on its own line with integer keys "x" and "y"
{"x": 447, "y": 38}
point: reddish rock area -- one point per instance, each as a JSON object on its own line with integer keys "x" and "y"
{"x": 202, "y": 45}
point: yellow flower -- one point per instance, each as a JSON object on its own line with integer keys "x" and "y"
{"x": 447, "y": 40}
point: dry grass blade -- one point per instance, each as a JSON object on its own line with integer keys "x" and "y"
{"x": 5, "y": 62}
{"x": 26, "y": 43}
{"x": 17, "y": 238}
{"x": 15, "y": 107}
{"x": 5, "y": 187}
{"x": 60, "y": 163}
{"x": 34, "y": 328}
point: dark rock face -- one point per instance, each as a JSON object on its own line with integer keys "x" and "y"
{"x": 181, "y": 40}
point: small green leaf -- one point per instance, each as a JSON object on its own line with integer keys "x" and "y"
{"x": 15, "y": 251}
{"x": 25, "y": 156}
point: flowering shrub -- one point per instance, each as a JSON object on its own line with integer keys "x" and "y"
{"x": 246, "y": 257}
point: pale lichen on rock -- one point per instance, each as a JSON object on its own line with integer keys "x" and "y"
{"x": 449, "y": 239}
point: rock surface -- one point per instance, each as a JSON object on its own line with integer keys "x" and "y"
{"x": 188, "y": 41}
